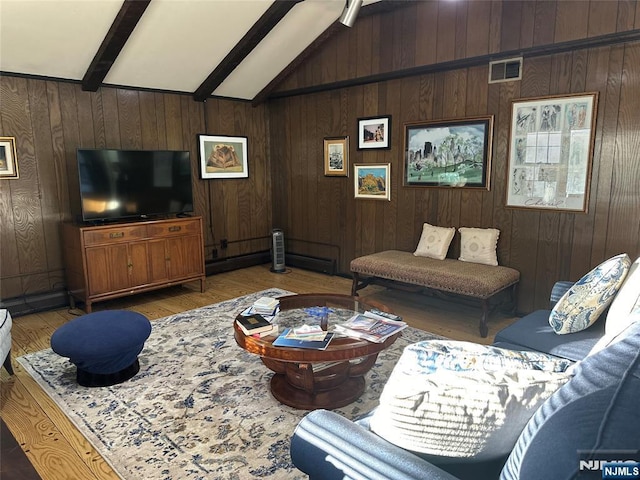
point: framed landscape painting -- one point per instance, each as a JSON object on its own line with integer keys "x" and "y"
{"x": 373, "y": 181}
{"x": 448, "y": 153}
{"x": 550, "y": 152}
{"x": 223, "y": 157}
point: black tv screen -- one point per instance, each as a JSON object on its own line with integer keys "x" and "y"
{"x": 126, "y": 184}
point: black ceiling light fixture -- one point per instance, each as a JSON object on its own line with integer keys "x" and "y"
{"x": 350, "y": 12}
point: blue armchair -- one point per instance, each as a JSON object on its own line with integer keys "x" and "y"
{"x": 596, "y": 410}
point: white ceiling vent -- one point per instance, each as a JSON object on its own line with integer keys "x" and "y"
{"x": 505, "y": 70}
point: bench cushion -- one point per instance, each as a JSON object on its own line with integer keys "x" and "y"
{"x": 448, "y": 275}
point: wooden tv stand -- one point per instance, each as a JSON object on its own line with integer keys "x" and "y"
{"x": 111, "y": 261}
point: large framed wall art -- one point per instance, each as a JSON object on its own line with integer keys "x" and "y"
{"x": 448, "y": 153}
{"x": 551, "y": 152}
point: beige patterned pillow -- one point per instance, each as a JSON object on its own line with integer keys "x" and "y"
{"x": 478, "y": 245}
{"x": 434, "y": 241}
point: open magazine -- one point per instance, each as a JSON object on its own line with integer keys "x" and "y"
{"x": 375, "y": 330}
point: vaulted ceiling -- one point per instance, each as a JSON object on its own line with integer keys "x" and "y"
{"x": 237, "y": 49}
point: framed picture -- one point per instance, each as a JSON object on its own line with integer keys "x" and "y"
{"x": 448, "y": 153}
{"x": 550, "y": 152}
{"x": 336, "y": 156}
{"x": 373, "y": 181}
{"x": 8, "y": 158}
{"x": 374, "y": 133}
{"x": 223, "y": 157}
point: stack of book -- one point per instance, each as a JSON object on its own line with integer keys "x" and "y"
{"x": 256, "y": 325}
{"x": 373, "y": 325}
{"x": 266, "y": 306}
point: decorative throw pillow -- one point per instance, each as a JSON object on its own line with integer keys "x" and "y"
{"x": 478, "y": 245}
{"x": 459, "y": 400}
{"x": 626, "y": 300}
{"x": 615, "y": 336}
{"x": 583, "y": 303}
{"x": 434, "y": 241}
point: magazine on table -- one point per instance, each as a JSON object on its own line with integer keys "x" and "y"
{"x": 375, "y": 330}
{"x": 289, "y": 339}
{"x": 380, "y": 315}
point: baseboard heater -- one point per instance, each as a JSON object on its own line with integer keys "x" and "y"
{"x": 234, "y": 263}
{"x": 317, "y": 264}
{"x": 38, "y": 302}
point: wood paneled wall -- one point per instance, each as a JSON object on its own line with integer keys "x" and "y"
{"x": 286, "y": 187}
{"x": 51, "y": 119}
{"x": 429, "y": 32}
{"x": 320, "y": 215}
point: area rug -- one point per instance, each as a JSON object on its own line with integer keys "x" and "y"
{"x": 200, "y": 408}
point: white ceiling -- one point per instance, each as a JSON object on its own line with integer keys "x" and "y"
{"x": 175, "y": 45}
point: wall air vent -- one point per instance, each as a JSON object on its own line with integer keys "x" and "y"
{"x": 505, "y": 70}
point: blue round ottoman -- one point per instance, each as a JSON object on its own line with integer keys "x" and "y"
{"x": 104, "y": 346}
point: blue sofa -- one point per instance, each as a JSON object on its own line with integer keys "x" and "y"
{"x": 594, "y": 411}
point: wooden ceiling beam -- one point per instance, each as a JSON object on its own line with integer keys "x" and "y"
{"x": 121, "y": 28}
{"x": 383, "y": 6}
{"x": 252, "y": 38}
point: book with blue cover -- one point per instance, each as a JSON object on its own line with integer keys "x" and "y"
{"x": 289, "y": 339}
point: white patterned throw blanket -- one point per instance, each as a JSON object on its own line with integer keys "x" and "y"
{"x": 200, "y": 407}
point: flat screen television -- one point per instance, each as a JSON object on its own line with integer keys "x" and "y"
{"x": 129, "y": 184}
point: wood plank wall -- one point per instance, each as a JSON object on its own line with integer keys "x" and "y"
{"x": 51, "y": 119}
{"x": 320, "y": 215}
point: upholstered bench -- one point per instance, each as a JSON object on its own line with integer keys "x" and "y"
{"x": 468, "y": 279}
{"x": 104, "y": 346}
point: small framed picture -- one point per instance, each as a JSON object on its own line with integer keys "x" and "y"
{"x": 223, "y": 157}
{"x": 336, "y": 156}
{"x": 373, "y": 181}
{"x": 374, "y": 133}
{"x": 8, "y": 158}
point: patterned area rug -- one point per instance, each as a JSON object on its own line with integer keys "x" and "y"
{"x": 200, "y": 408}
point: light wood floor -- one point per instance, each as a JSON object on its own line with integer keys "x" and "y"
{"x": 58, "y": 450}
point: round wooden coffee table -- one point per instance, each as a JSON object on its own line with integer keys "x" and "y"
{"x": 310, "y": 379}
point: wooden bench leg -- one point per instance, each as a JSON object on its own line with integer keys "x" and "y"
{"x": 514, "y": 299}
{"x": 354, "y": 286}
{"x": 484, "y": 325}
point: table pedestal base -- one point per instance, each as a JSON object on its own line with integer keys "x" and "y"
{"x": 286, "y": 393}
